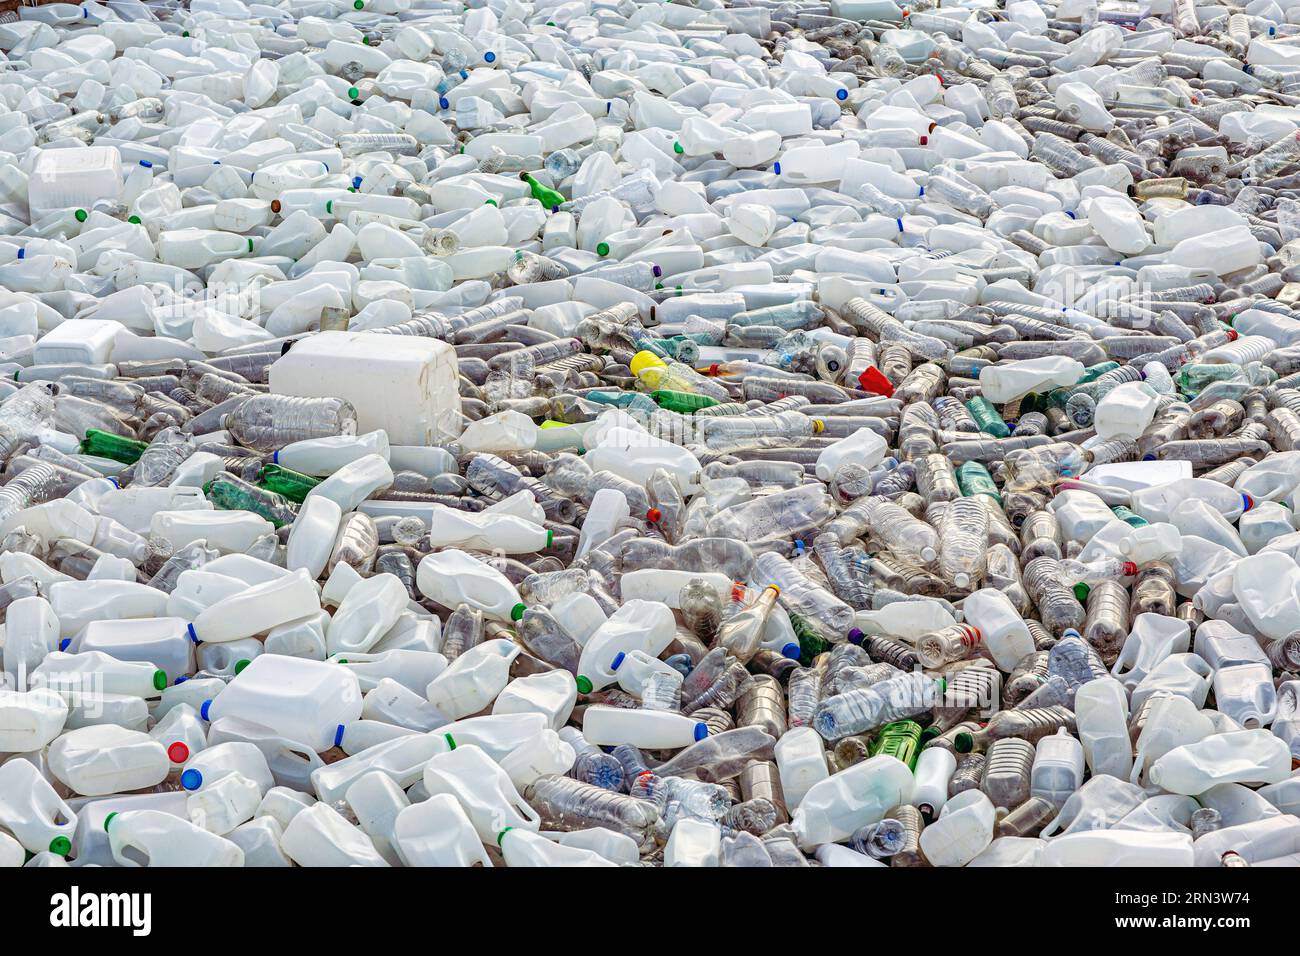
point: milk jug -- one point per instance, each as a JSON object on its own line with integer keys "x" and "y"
{"x": 1000, "y": 625}
{"x": 30, "y": 720}
{"x": 1153, "y": 638}
{"x": 307, "y": 701}
{"x": 647, "y": 729}
{"x": 258, "y": 609}
{"x": 153, "y": 838}
{"x": 106, "y": 758}
{"x": 964, "y": 828}
{"x": 801, "y": 762}
{"x": 483, "y": 789}
{"x": 367, "y": 612}
{"x": 474, "y": 679}
{"x": 522, "y": 847}
{"x": 693, "y": 842}
{"x": 834, "y": 808}
{"x": 1101, "y": 713}
{"x": 320, "y": 836}
{"x": 32, "y": 811}
{"x": 437, "y": 832}
{"x": 646, "y": 626}
{"x": 1247, "y": 756}
{"x": 452, "y": 578}
{"x": 222, "y": 759}
{"x": 1058, "y": 767}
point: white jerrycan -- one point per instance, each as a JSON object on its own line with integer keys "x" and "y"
{"x": 31, "y": 632}
{"x": 1152, "y": 638}
{"x": 397, "y": 704}
{"x": 154, "y": 838}
{"x": 291, "y": 762}
{"x": 543, "y": 754}
{"x": 307, "y": 701}
{"x": 615, "y": 847}
{"x": 94, "y": 672}
{"x": 485, "y": 531}
{"x": 401, "y": 758}
{"x": 801, "y": 762}
{"x": 1272, "y": 838}
{"x": 311, "y": 538}
{"x": 259, "y": 838}
{"x": 551, "y": 694}
{"x": 77, "y": 603}
{"x": 1245, "y": 692}
{"x": 1000, "y": 625}
{"x": 225, "y": 804}
{"x": 257, "y": 609}
{"x": 320, "y": 836}
{"x": 962, "y": 831}
{"x": 834, "y": 808}
{"x": 412, "y": 669}
{"x": 1058, "y": 767}
{"x": 182, "y": 731}
{"x": 436, "y": 832}
{"x": 647, "y": 729}
{"x": 221, "y": 759}
{"x": 1101, "y": 713}
{"x": 105, "y": 758}
{"x": 1245, "y": 756}
{"x": 322, "y": 457}
{"x": 355, "y": 482}
{"x": 452, "y": 577}
{"x": 1125, "y": 411}
{"x": 376, "y": 802}
{"x": 693, "y": 842}
{"x": 368, "y": 610}
{"x": 484, "y": 790}
{"x": 474, "y": 679}
{"x": 162, "y": 641}
{"x": 32, "y": 811}
{"x": 525, "y": 848}
{"x": 30, "y": 720}
{"x": 1101, "y": 802}
{"x": 1119, "y": 848}
{"x": 1167, "y": 812}
{"x": 647, "y": 626}
{"x": 495, "y": 734}
{"x": 1172, "y": 721}
{"x": 934, "y": 770}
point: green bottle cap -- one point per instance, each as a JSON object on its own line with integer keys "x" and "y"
{"x": 451, "y": 741}
{"x": 677, "y": 148}
{"x": 109, "y": 819}
{"x": 159, "y": 679}
{"x": 517, "y": 611}
{"x": 584, "y": 685}
{"x": 61, "y": 845}
{"x": 81, "y": 215}
{"x": 502, "y": 834}
{"x": 550, "y": 537}
{"x": 133, "y": 220}
{"x": 353, "y": 92}
{"x": 963, "y": 743}
{"x": 602, "y": 248}
{"x": 241, "y": 664}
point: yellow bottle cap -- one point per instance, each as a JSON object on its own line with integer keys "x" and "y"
{"x": 644, "y": 360}
{"x": 818, "y": 426}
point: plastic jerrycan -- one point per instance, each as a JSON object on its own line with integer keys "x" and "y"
{"x": 1058, "y": 767}
{"x": 495, "y": 734}
{"x": 94, "y": 672}
{"x": 1101, "y": 715}
{"x": 376, "y": 802}
{"x": 525, "y": 848}
{"x": 483, "y": 789}
{"x": 1095, "y": 848}
{"x": 153, "y": 838}
{"x": 834, "y": 808}
{"x": 401, "y": 758}
{"x": 290, "y": 762}
{"x": 1245, "y": 692}
{"x": 1251, "y": 757}
{"x": 161, "y": 641}
{"x": 1003, "y": 630}
{"x": 801, "y": 762}
{"x": 437, "y": 832}
{"x": 545, "y": 753}
{"x": 32, "y": 811}
{"x": 105, "y": 758}
{"x": 303, "y": 700}
{"x": 1152, "y": 638}
{"x": 551, "y": 695}
{"x": 452, "y": 577}
{"x": 367, "y": 612}
{"x": 220, "y": 760}
{"x": 30, "y": 720}
{"x": 257, "y": 609}
{"x": 693, "y": 842}
{"x": 647, "y": 626}
{"x": 962, "y": 831}
{"x": 182, "y": 731}
{"x": 474, "y": 679}
{"x": 1267, "y": 586}
{"x": 647, "y": 729}
{"x": 321, "y": 836}
{"x": 225, "y": 804}
{"x": 1172, "y": 721}
{"x": 312, "y": 535}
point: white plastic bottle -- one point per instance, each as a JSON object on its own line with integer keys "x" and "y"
{"x": 32, "y": 811}
{"x": 647, "y": 729}
{"x": 257, "y": 609}
{"x": 1058, "y": 767}
{"x": 934, "y": 769}
{"x": 524, "y": 848}
{"x": 834, "y": 808}
{"x": 1001, "y": 627}
{"x": 646, "y": 626}
{"x": 1101, "y": 713}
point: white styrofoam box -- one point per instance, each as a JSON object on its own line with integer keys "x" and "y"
{"x": 404, "y": 384}
{"x": 85, "y": 341}
{"x": 74, "y": 178}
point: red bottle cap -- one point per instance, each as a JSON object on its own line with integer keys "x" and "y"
{"x": 872, "y": 380}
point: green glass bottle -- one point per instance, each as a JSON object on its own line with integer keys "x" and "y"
{"x": 284, "y": 481}
{"x": 230, "y": 493}
{"x": 974, "y": 479}
{"x": 987, "y": 417}
{"x": 1129, "y": 516}
{"x": 107, "y": 445}
{"x": 545, "y": 195}
{"x": 683, "y": 402}
{"x": 901, "y": 739}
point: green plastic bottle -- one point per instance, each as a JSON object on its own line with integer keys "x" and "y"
{"x": 901, "y": 739}
{"x": 683, "y": 402}
{"x": 107, "y": 445}
{"x": 230, "y": 493}
{"x": 1129, "y": 516}
{"x": 284, "y": 481}
{"x": 810, "y": 642}
{"x": 987, "y": 417}
{"x": 545, "y": 195}
{"x": 1093, "y": 372}
{"x": 974, "y": 479}
{"x": 1193, "y": 378}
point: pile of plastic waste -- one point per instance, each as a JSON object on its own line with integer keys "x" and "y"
{"x": 579, "y": 432}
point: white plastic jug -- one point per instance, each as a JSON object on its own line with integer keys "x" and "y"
{"x": 834, "y": 808}
{"x": 963, "y": 830}
{"x": 437, "y": 832}
{"x": 1246, "y": 756}
{"x": 152, "y": 838}
{"x": 1101, "y": 714}
{"x": 474, "y": 679}
{"x": 483, "y": 789}
{"x": 452, "y": 578}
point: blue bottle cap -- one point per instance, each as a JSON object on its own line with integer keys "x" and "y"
{"x": 618, "y": 661}
{"x": 841, "y": 94}
{"x": 701, "y": 731}
{"x": 63, "y": 644}
{"x": 776, "y": 168}
{"x": 338, "y": 735}
{"x": 189, "y": 628}
{"x": 203, "y": 709}
{"x": 489, "y": 57}
{"x": 792, "y": 651}
{"x": 191, "y": 779}
{"x": 444, "y": 103}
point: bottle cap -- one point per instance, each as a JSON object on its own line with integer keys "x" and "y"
{"x": 109, "y": 819}
{"x": 584, "y": 685}
{"x": 61, "y": 845}
{"x": 178, "y": 752}
{"x": 191, "y": 779}
{"x": 701, "y": 731}
{"x": 517, "y": 611}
